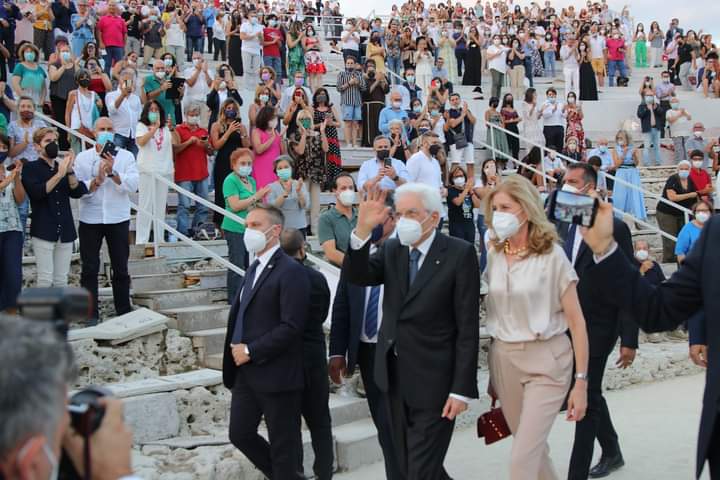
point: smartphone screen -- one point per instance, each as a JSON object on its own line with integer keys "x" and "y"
{"x": 388, "y": 162}
{"x": 574, "y": 208}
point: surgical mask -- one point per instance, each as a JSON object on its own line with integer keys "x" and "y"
{"x": 347, "y": 198}
{"x": 272, "y": 23}
{"x": 459, "y": 181}
{"x": 168, "y": 62}
{"x": 571, "y": 100}
{"x": 702, "y": 217}
{"x": 52, "y": 149}
{"x": 160, "y": 75}
{"x": 410, "y": 78}
{"x": 621, "y": 143}
{"x": 104, "y": 137}
{"x": 284, "y": 174}
{"x": 396, "y": 104}
{"x": 153, "y": 18}
{"x": 244, "y": 170}
{"x": 192, "y": 119}
{"x": 570, "y": 188}
{"x": 409, "y": 231}
{"x": 683, "y": 174}
{"x": 496, "y": 42}
{"x": 264, "y": 98}
{"x": 322, "y": 98}
{"x": 153, "y": 117}
{"x": 272, "y": 124}
{"x": 197, "y": 62}
{"x": 697, "y": 164}
{"x": 223, "y": 85}
{"x": 603, "y": 148}
{"x": 416, "y": 108}
{"x": 434, "y": 149}
{"x": 255, "y": 240}
{"x": 642, "y": 255}
{"x": 505, "y": 225}
{"x": 423, "y": 130}
{"x": 66, "y": 56}
{"x": 253, "y": 21}
{"x": 675, "y": 106}
{"x": 299, "y": 82}
{"x": 29, "y": 56}
{"x": 435, "y": 113}
{"x": 265, "y": 76}
{"x": 230, "y": 113}
{"x": 697, "y": 133}
{"x": 666, "y": 79}
{"x": 552, "y": 99}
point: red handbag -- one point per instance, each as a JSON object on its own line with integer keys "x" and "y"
{"x": 492, "y": 425}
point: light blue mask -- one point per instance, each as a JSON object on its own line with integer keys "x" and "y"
{"x": 104, "y": 137}
{"x": 244, "y": 170}
{"x": 284, "y": 174}
{"x": 684, "y": 174}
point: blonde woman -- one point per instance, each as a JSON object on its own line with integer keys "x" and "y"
{"x": 531, "y": 303}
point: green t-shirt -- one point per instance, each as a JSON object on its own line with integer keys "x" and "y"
{"x": 333, "y": 225}
{"x": 31, "y": 81}
{"x": 151, "y": 84}
{"x": 3, "y": 125}
{"x": 234, "y": 186}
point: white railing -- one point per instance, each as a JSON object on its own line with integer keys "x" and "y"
{"x": 546, "y": 177}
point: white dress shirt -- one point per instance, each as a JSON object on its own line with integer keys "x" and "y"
{"x": 263, "y": 260}
{"x": 424, "y": 169}
{"x": 553, "y": 118}
{"x": 109, "y": 203}
{"x": 356, "y": 243}
{"x": 125, "y": 118}
{"x": 370, "y": 168}
{"x": 200, "y": 90}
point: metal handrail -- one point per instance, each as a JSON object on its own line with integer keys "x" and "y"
{"x": 660, "y": 198}
{"x": 546, "y": 177}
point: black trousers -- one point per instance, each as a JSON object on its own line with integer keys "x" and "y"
{"x": 278, "y": 458}
{"x": 316, "y": 410}
{"x": 714, "y": 451}
{"x": 116, "y": 237}
{"x": 378, "y": 403}
{"x": 596, "y": 424}
{"x": 220, "y": 49}
{"x": 58, "y": 108}
{"x": 421, "y": 436}
{"x": 210, "y": 37}
{"x": 554, "y": 137}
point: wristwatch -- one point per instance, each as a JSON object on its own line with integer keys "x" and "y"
{"x": 111, "y": 174}
{"x": 581, "y": 376}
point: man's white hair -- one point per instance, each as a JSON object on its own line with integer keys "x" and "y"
{"x": 429, "y": 196}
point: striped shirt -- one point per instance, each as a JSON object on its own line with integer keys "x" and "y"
{"x": 350, "y": 94}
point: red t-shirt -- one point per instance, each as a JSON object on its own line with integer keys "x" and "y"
{"x": 700, "y": 178}
{"x": 191, "y": 163}
{"x": 274, "y": 49}
{"x": 614, "y": 46}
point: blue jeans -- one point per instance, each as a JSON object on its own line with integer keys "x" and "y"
{"x": 24, "y": 210}
{"x": 529, "y": 70}
{"x": 483, "y": 250}
{"x": 651, "y": 140}
{"x": 274, "y": 63}
{"x": 193, "y": 44}
{"x": 199, "y": 188}
{"x": 126, "y": 143}
{"x": 237, "y": 256}
{"x": 112, "y": 55}
{"x": 549, "y": 63}
{"x": 394, "y": 64}
{"x": 11, "y": 249}
{"x": 613, "y": 66}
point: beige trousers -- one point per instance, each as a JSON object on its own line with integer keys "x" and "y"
{"x": 531, "y": 380}
{"x": 517, "y": 75}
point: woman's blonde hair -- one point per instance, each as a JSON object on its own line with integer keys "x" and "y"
{"x": 541, "y": 233}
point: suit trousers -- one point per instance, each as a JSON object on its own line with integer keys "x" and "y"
{"x": 278, "y": 458}
{"x": 378, "y": 403}
{"x": 596, "y": 424}
{"x": 531, "y": 380}
{"x": 714, "y": 451}
{"x": 316, "y": 411}
{"x": 421, "y": 436}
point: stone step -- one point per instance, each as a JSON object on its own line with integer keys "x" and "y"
{"x": 122, "y": 329}
{"x": 197, "y": 317}
{"x": 147, "y": 266}
{"x": 356, "y": 444}
{"x": 215, "y": 278}
{"x": 183, "y": 251}
{"x": 169, "y": 383}
{"x": 158, "y": 281}
{"x": 214, "y": 361}
{"x": 208, "y": 342}
{"x": 166, "y": 299}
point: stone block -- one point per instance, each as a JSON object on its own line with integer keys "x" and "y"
{"x": 209, "y": 342}
{"x": 157, "y": 281}
{"x": 216, "y": 278}
{"x": 166, "y": 299}
{"x": 344, "y": 410}
{"x": 184, "y": 251}
{"x": 356, "y": 444}
{"x": 198, "y": 317}
{"x": 147, "y": 266}
{"x": 152, "y": 417}
{"x": 135, "y": 324}
{"x": 169, "y": 383}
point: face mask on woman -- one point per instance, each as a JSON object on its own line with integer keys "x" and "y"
{"x": 284, "y": 174}
{"x": 505, "y": 225}
{"x": 265, "y": 76}
{"x": 243, "y": 170}
{"x": 272, "y": 124}
{"x": 230, "y": 113}
{"x": 684, "y": 174}
{"x": 702, "y": 217}
{"x": 459, "y": 181}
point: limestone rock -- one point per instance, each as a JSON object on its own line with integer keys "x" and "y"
{"x": 179, "y": 354}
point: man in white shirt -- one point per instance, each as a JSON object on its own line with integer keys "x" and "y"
{"x": 603, "y": 153}
{"x": 124, "y": 108}
{"x": 571, "y": 68}
{"x": 382, "y": 171}
{"x": 423, "y": 166}
{"x": 198, "y": 80}
{"x": 251, "y": 34}
{"x": 554, "y": 121}
{"x": 105, "y": 213}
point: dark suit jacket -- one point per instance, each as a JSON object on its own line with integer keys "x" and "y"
{"x": 643, "y": 113}
{"x": 275, "y": 317}
{"x": 347, "y": 320}
{"x": 314, "y": 336}
{"x": 433, "y": 325}
{"x": 605, "y": 321}
{"x": 694, "y": 287}
{"x": 213, "y": 103}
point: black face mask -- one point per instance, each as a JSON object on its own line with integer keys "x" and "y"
{"x": 51, "y": 150}
{"x": 383, "y": 154}
{"x": 84, "y": 82}
{"x": 434, "y": 149}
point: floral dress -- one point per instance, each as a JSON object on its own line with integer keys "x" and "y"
{"x": 296, "y": 60}
{"x": 310, "y": 165}
{"x": 538, "y": 70}
{"x": 334, "y": 160}
{"x": 575, "y": 129}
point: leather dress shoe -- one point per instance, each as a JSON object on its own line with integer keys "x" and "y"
{"x": 606, "y": 466}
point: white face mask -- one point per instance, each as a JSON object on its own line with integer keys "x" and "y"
{"x": 505, "y": 225}
{"x": 409, "y": 231}
{"x": 697, "y": 164}
{"x": 160, "y": 75}
{"x": 570, "y": 188}
{"x": 347, "y": 198}
{"x": 642, "y": 255}
{"x": 702, "y": 217}
{"x": 255, "y": 240}
{"x": 192, "y": 119}
{"x": 272, "y": 124}
{"x": 697, "y": 134}
{"x": 459, "y": 181}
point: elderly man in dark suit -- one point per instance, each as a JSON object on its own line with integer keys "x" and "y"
{"x": 356, "y": 320}
{"x": 427, "y": 348}
{"x": 605, "y": 322}
{"x": 316, "y": 394}
{"x": 263, "y": 358}
{"x": 694, "y": 287}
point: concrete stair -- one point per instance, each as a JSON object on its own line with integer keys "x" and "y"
{"x": 197, "y": 317}
{"x": 147, "y": 266}
{"x": 208, "y": 342}
{"x": 166, "y": 299}
{"x": 158, "y": 281}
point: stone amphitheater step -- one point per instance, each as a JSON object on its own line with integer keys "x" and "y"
{"x": 197, "y": 317}
{"x": 147, "y": 266}
{"x": 356, "y": 444}
{"x": 165, "y": 299}
{"x": 208, "y": 342}
{"x": 157, "y": 281}
{"x": 216, "y": 278}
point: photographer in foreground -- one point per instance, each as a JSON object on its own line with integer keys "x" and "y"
{"x": 36, "y": 367}
{"x": 663, "y": 308}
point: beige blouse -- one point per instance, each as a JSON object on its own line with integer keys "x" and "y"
{"x": 524, "y": 302}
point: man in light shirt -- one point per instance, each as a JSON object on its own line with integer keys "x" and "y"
{"x": 124, "y": 108}
{"x": 423, "y": 166}
{"x": 105, "y": 214}
{"x": 198, "y": 81}
{"x": 607, "y": 164}
{"x": 553, "y": 121}
{"x": 598, "y": 54}
{"x": 382, "y": 171}
{"x": 251, "y": 34}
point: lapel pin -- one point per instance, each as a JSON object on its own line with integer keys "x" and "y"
{"x": 437, "y": 262}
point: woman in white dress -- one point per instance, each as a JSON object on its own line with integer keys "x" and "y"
{"x": 532, "y": 126}
{"x": 423, "y": 66}
{"x": 82, "y": 109}
{"x": 154, "y": 139}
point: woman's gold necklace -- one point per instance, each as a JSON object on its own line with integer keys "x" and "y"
{"x": 519, "y": 252}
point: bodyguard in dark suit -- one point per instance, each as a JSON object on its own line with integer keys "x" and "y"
{"x": 695, "y": 286}
{"x": 263, "y": 359}
{"x": 427, "y": 348}
{"x": 605, "y": 322}
{"x": 316, "y": 394}
{"x": 356, "y": 318}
